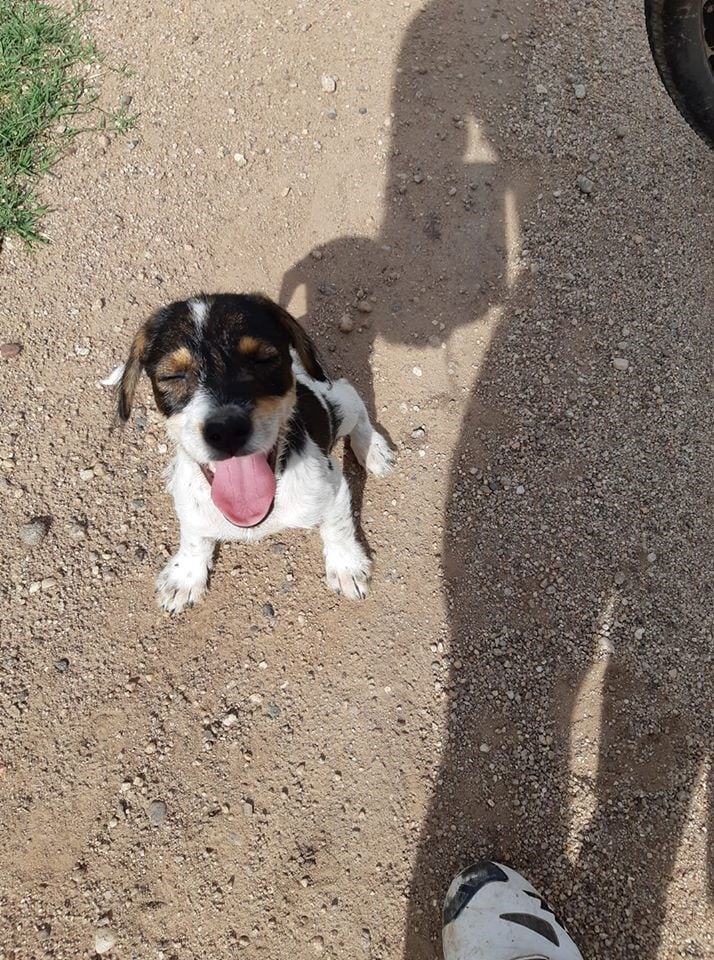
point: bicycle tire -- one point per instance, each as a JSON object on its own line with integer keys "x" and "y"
{"x": 681, "y": 36}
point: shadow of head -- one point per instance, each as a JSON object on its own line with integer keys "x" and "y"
{"x": 439, "y": 257}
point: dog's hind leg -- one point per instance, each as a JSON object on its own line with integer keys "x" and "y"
{"x": 369, "y": 446}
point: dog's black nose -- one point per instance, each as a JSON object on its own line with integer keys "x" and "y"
{"x": 227, "y": 430}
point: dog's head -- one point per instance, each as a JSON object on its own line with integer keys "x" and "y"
{"x": 221, "y": 368}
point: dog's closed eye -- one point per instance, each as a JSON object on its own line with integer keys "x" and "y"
{"x": 171, "y": 378}
{"x": 258, "y": 352}
{"x": 266, "y": 356}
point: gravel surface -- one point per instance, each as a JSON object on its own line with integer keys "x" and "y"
{"x": 494, "y": 221}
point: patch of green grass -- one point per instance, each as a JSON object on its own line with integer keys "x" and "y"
{"x": 122, "y": 122}
{"x": 47, "y": 74}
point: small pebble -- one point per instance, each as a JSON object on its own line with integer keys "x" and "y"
{"x": 10, "y": 350}
{"x": 273, "y": 711}
{"x": 417, "y": 371}
{"x": 240, "y": 159}
{"x": 33, "y": 533}
{"x": 317, "y": 944}
{"x": 346, "y": 323}
{"x": 104, "y": 939}
{"x": 606, "y": 645}
{"x": 585, "y": 185}
{"x": 620, "y": 363}
{"x": 505, "y": 37}
{"x": 418, "y": 433}
{"x": 268, "y": 610}
{"x": 639, "y": 633}
{"x": 87, "y": 474}
{"x": 328, "y": 83}
{"x": 62, "y": 665}
{"x": 157, "y": 813}
{"x": 364, "y": 306}
{"x": 229, "y": 719}
{"x": 579, "y": 90}
{"x": 248, "y": 808}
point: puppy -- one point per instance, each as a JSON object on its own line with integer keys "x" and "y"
{"x": 254, "y": 417}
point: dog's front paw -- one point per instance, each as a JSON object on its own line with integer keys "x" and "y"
{"x": 349, "y": 572}
{"x": 181, "y": 583}
{"x": 380, "y": 456}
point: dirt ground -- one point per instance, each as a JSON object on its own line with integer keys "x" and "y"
{"x": 278, "y": 772}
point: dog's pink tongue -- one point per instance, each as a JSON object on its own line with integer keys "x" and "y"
{"x": 243, "y": 489}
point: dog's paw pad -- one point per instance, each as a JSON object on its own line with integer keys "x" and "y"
{"x": 380, "y": 457}
{"x": 177, "y": 589}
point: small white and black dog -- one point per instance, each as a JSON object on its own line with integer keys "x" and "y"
{"x": 253, "y": 416}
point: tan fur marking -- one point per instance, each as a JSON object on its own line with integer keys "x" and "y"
{"x": 132, "y": 372}
{"x": 139, "y": 344}
{"x": 180, "y": 361}
{"x": 249, "y": 345}
{"x": 267, "y": 406}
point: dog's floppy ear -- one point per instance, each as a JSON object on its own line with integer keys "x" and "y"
{"x": 132, "y": 370}
{"x": 304, "y": 347}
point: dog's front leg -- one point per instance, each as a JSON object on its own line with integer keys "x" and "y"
{"x": 347, "y": 565}
{"x": 183, "y": 580}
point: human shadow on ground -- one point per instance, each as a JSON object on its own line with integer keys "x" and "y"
{"x": 439, "y": 259}
{"x": 576, "y": 722}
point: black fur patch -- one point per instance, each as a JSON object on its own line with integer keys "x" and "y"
{"x": 335, "y": 419}
{"x": 310, "y": 419}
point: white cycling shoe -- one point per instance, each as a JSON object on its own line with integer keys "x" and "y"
{"x": 493, "y": 913}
